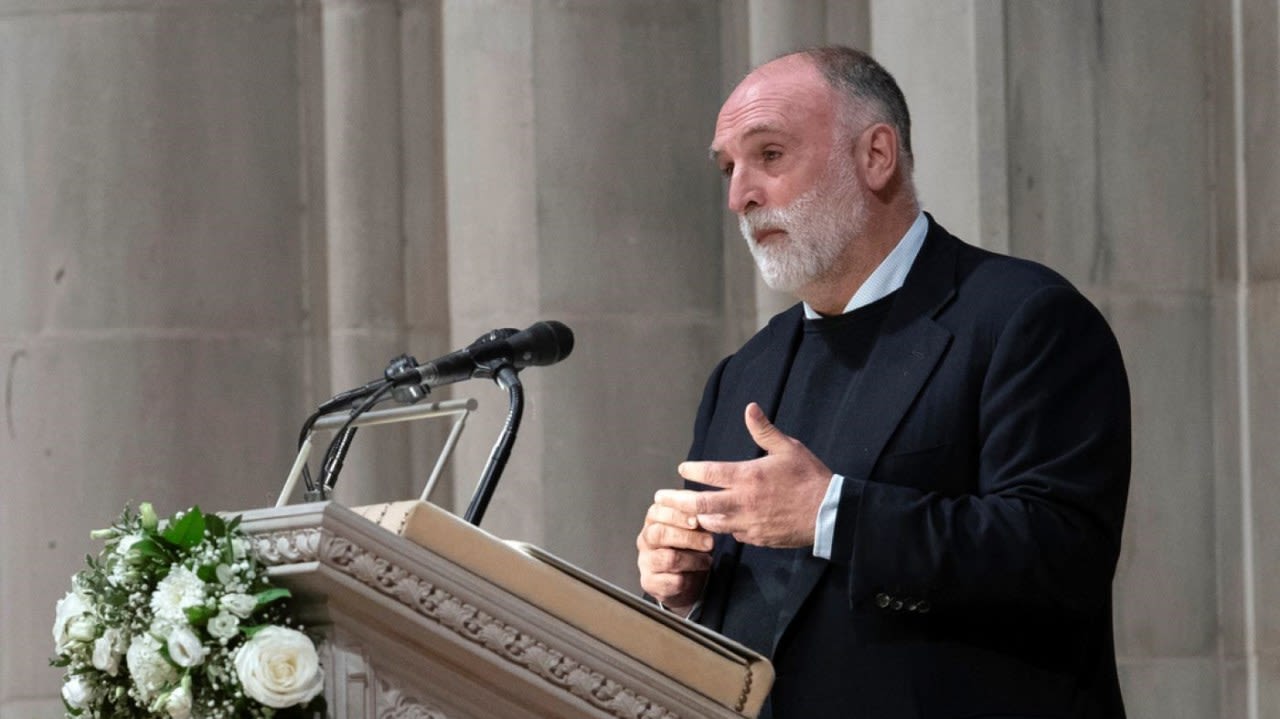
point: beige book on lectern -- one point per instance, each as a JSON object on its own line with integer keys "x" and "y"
{"x": 706, "y": 662}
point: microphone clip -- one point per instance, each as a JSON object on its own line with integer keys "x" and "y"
{"x": 492, "y": 368}
{"x": 405, "y": 392}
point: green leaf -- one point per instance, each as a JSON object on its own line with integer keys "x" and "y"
{"x": 200, "y": 615}
{"x": 215, "y": 524}
{"x": 268, "y": 596}
{"x": 208, "y": 573}
{"x": 149, "y": 548}
{"x": 188, "y": 531}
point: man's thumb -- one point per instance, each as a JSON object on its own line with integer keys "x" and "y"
{"x": 766, "y": 436}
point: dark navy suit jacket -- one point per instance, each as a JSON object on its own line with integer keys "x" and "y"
{"x": 986, "y": 456}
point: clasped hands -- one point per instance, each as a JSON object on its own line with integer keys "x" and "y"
{"x": 771, "y": 501}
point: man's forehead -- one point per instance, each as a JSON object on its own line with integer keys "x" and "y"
{"x": 763, "y": 129}
{"x": 773, "y": 98}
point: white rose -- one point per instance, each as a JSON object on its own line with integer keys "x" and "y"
{"x": 279, "y": 667}
{"x": 239, "y": 547}
{"x": 78, "y": 693}
{"x": 241, "y": 605}
{"x": 150, "y": 671}
{"x": 69, "y": 621}
{"x": 178, "y": 703}
{"x": 224, "y": 625}
{"x": 107, "y": 650}
{"x": 83, "y": 628}
{"x": 185, "y": 648}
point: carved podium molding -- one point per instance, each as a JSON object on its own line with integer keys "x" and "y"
{"x": 411, "y": 635}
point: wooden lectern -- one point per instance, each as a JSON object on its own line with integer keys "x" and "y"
{"x": 423, "y": 616}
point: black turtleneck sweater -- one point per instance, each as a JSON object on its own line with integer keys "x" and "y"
{"x": 825, "y": 372}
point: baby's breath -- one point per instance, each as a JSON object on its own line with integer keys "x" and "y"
{"x": 150, "y": 595}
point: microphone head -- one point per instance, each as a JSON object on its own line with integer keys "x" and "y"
{"x": 543, "y": 343}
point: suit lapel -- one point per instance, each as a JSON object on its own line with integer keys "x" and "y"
{"x": 909, "y": 346}
{"x": 763, "y": 380}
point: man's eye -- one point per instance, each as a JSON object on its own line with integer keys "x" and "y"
{"x": 770, "y": 155}
{"x": 726, "y": 170}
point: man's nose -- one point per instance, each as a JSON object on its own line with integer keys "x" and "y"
{"x": 745, "y": 192}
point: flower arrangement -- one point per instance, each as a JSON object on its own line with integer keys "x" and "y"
{"x": 176, "y": 619}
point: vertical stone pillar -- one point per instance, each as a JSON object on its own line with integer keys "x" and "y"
{"x": 579, "y": 191}
{"x": 1258, "y": 98}
{"x": 1089, "y": 88}
{"x": 365, "y": 235}
{"x": 1246, "y": 95}
{"x": 426, "y": 261}
{"x": 151, "y": 316}
{"x": 949, "y": 59}
{"x": 493, "y": 233}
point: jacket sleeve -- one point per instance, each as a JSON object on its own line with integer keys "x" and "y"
{"x": 1042, "y": 524}
{"x": 706, "y": 410}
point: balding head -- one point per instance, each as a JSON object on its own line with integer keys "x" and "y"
{"x": 816, "y": 175}
{"x": 868, "y": 93}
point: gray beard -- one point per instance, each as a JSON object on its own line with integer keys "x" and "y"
{"x": 819, "y": 226}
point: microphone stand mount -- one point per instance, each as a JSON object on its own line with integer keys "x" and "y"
{"x": 507, "y": 377}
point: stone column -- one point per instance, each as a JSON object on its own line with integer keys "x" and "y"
{"x": 1093, "y": 91}
{"x": 1245, "y": 94}
{"x": 579, "y": 191}
{"x": 151, "y": 314}
{"x": 949, "y": 59}
{"x": 365, "y": 249}
{"x": 426, "y": 261}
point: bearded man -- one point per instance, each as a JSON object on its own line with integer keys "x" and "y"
{"x": 908, "y": 489}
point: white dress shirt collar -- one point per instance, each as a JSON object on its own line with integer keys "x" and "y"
{"x": 891, "y": 272}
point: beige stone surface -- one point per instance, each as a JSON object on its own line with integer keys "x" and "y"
{"x": 1053, "y": 154}
{"x": 942, "y": 99}
{"x": 618, "y": 441}
{"x": 215, "y": 214}
{"x": 1166, "y": 585}
{"x": 1260, "y": 24}
{"x": 1171, "y": 688}
{"x": 1264, "y": 416}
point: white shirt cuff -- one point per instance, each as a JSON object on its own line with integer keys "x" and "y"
{"x": 824, "y": 529}
{"x": 693, "y": 611}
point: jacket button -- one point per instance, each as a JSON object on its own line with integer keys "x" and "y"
{"x": 913, "y": 605}
{"x": 923, "y": 607}
{"x": 883, "y": 600}
{"x": 897, "y": 605}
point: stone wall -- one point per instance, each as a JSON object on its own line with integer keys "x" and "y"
{"x": 216, "y": 213}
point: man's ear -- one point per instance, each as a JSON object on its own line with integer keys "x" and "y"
{"x": 877, "y": 155}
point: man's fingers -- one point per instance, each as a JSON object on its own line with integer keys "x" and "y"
{"x": 658, "y": 535}
{"x": 695, "y": 503}
{"x": 674, "y": 561}
{"x": 714, "y": 474}
{"x": 715, "y": 523}
{"x": 675, "y": 589}
{"x": 664, "y": 514}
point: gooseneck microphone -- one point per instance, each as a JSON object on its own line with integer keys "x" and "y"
{"x": 499, "y": 355}
{"x": 543, "y": 343}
